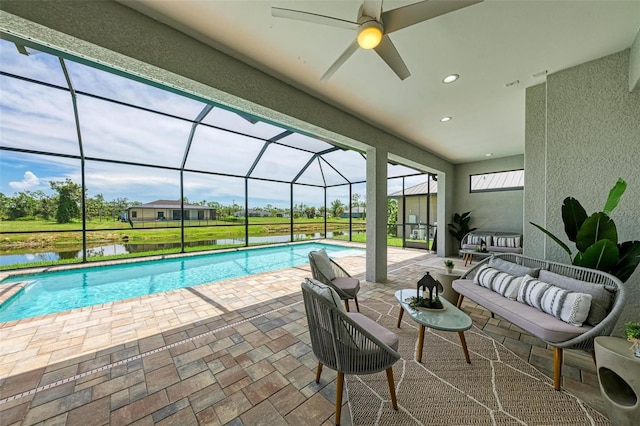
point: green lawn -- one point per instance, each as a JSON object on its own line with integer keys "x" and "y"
{"x": 69, "y": 236}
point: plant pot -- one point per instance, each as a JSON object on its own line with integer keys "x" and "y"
{"x": 449, "y": 269}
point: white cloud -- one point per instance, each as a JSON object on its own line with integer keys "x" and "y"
{"x": 28, "y": 182}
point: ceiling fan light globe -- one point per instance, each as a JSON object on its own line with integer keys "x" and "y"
{"x": 369, "y": 35}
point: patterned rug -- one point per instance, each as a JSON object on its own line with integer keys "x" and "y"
{"x": 497, "y": 388}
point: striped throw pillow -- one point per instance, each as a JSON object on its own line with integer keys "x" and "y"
{"x": 508, "y": 241}
{"x": 505, "y": 284}
{"x": 568, "y": 306}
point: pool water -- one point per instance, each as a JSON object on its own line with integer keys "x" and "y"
{"x": 59, "y": 291}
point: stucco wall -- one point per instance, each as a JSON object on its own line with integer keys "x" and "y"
{"x": 634, "y": 64}
{"x": 534, "y": 166}
{"x": 492, "y": 211}
{"x": 592, "y": 137}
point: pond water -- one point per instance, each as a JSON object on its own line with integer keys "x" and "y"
{"x": 112, "y": 249}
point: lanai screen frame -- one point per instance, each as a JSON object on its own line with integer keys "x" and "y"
{"x": 316, "y": 156}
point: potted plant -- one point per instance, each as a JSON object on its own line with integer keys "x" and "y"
{"x": 596, "y": 237}
{"x": 460, "y": 226}
{"x": 448, "y": 263}
{"x": 632, "y": 333}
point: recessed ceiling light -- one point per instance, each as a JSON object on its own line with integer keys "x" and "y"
{"x": 450, "y": 78}
{"x": 488, "y": 154}
{"x": 445, "y": 119}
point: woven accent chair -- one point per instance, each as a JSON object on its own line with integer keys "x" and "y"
{"x": 327, "y": 271}
{"x": 347, "y": 342}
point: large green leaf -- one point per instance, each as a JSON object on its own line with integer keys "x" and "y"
{"x": 554, "y": 238}
{"x": 603, "y": 255}
{"x": 629, "y": 260}
{"x": 597, "y": 227}
{"x": 573, "y": 216}
{"x": 614, "y": 196}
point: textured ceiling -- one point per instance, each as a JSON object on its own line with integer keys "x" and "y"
{"x": 490, "y": 44}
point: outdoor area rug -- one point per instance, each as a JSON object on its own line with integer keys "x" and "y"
{"x": 497, "y": 388}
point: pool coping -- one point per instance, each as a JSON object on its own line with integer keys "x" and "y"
{"x": 70, "y": 266}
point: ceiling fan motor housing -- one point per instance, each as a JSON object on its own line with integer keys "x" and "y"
{"x": 370, "y": 34}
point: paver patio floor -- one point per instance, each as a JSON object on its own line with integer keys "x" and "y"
{"x": 234, "y": 352}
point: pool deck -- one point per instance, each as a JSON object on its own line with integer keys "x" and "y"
{"x": 235, "y": 351}
{"x": 60, "y": 336}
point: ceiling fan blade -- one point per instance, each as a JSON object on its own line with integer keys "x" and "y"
{"x": 390, "y": 55}
{"x": 341, "y": 60}
{"x": 402, "y": 17}
{"x": 372, "y": 8}
{"x": 297, "y": 15}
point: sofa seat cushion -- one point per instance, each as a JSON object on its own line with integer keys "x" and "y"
{"x": 499, "y": 249}
{"x": 469, "y": 246}
{"x": 349, "y": 285}
{"x": 530, "y": 319}
{"x": 381, "y": 333}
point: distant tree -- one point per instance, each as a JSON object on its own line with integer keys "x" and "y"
{"x": 355, "y": 200}
{"x": 21, "y": 205}
{"x": 392, "y": 217}
{"x": 69, "y": 197}
{"x": 119, "y": 205}
{"x": 337, "y": 208}
{"x": 310, "y": 212}
{"x": 96, "y": 207}
{"x": 46, "y": 205}
{"x": 4, "y": 200}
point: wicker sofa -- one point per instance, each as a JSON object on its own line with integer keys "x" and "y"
{"x": 607, "y": 299}
{"x": 499, "y": 242}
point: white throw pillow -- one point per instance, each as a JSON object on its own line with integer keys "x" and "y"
{"x": 323, "y": 263}
{"x": 568, "y": 306}
{"x": 505, "y": 284}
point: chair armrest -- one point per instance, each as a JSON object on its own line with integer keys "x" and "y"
{"x": 604, "y": 328}
{"x": 471, "y": 273}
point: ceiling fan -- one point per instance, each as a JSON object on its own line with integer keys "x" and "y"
{"x": 374, "y": 26}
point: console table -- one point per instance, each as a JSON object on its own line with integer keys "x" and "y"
{"x": 467, "y": 255}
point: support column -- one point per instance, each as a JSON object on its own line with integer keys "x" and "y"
{"x": 376, "y": 215}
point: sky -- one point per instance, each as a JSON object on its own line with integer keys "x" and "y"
{"x": 41, "y": 118}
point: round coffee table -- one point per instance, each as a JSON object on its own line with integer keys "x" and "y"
{"x": 450, "y": 319}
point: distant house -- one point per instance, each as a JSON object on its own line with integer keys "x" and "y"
{"x": 252, "y": 213}
{"x": 355, "y": 212}
{"x": 413, "y": 212}
{"x": 169, "y": 210}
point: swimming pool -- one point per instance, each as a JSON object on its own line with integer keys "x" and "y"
{"x": 59, "y": 291}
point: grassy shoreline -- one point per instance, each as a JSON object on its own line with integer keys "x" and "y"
{"x": 27, "y": 237}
